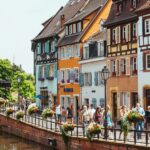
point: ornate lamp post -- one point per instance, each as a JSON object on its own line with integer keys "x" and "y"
{"x": 18, "y": 80}
{"x": 105, "y": 76}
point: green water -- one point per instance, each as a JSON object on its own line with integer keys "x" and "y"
{"x": 9, "y": 142}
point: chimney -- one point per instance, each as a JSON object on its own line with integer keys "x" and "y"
{"x": 62, "y": 20}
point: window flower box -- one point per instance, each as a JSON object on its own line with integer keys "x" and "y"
{"x": 62, "y": 81}
{"x": 76, "y": 80}
{"x": 113, "y": 73}
{"x": 50, "y": 78}
{"x": 41, "y": 79}
{"x": 68, "y": 81}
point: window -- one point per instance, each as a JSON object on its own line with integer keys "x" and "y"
{"x": 113, "y": 66}
{"x": 124, "y": 99}
{"x": 134, "y": 3}
{"x": 88, "y": 79}
{"x": 43, "y": 71}
{"x": 148, "y": 62}
{"x": 70, "y": 29}
{"x": 94, "y": 102}
{"x": 101, "y": 49}
{"x": 147, "y": 26}
{"x": 66, "y": 30}
{"x": 43, "y": 47}
{"x": 79, "y": 28}
{"x": 134, "y": 30}
{"x": 123, "y": 66}
{"x": 68, "y": 76}
{"x": 76, "y": 71}
{"x": 74, "y": 28}
{"x": 62, "y": 76}
{"x": 114, "y": 35}
{"x": 52, "y": 46}
{"x": 86, "y": 52}
{"x": 102, "y": 102}
{"x": 124, "y": 32}
{"x": 62, "y": 52}
{"x": 77, "y": 50}
{"x": 134, "y": 65}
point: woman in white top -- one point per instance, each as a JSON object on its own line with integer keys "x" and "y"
{"x": 58, "y": 113}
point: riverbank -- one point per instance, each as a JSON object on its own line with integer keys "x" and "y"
{"x": 41, "y": 135}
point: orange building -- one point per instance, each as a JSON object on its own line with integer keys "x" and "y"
{"x": 70, "y": 48}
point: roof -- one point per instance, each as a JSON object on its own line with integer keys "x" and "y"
{"x": 145, "y": 6}
{"x": 75, "y": 38}
{"x": 47, "y": 21}
{"x": 97, "y": 36}
{"x": 127, "y": 14}
{"x": 91, "y": 6}
{"x": 54, "y": 26}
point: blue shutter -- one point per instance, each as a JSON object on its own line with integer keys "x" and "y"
{"x": 47, "y": 68}
{"x": 40, "y": 72}
{"x": 47, "y": 45}
{"x": 39, "y": 48}
{"x": 55, "y": 70}
{"x": 96, "y": 78}
{"x": 81, "y": 79}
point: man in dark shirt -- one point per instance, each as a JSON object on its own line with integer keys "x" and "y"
{"x": 147, "y": 115}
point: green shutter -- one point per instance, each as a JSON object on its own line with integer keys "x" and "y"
{"x": 81, "y": 79}
{"x": 55, "y": 70}
{"x": 47, "y": 68}
{"x": 40, "y": 72}
{"x": 39, "y": 46}
{"x": 47, "y": 46}
{"x": 96, "y": 78}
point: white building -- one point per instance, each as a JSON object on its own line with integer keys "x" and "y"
{"x": 144, "y": 54}
{"x": 93, "y": 61}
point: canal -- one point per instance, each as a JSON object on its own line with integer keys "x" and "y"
{"x": 10, "y": 142}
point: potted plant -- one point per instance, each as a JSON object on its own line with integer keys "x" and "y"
{"x": 2, "y": 101}
{"x": 32, "y": 110}
{"x": 62, "y": 81}
{"x": 47, "y": 112}
{"x": 19, "y": 114}
{"x": 76, "y": 80}
{"x": 92, "y": 129}
{"x": 68, "y": 80}
{"x": 9, "y": 111}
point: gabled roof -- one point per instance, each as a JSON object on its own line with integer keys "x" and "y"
{"x": 47, "y": 21}
{"x": 54, "y": 26}
{"x": 127, "y": 13}
{"x": 75, "y": 38}
{"x": 91, "y": 6}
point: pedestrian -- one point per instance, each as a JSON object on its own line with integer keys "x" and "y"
{"x": 147, "y": 115}
{"x": 91, "y": 112}
{"x": 123, "y": 112}
{"x": 139, "y": 124}
{"x": 97, "y": 115}
{"x": 85, "y": 116}
{"x": 69, "y": 115}
{"x": 58, "y": 114}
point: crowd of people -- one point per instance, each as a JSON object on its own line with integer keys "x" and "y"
{"x": 88, "y": 114}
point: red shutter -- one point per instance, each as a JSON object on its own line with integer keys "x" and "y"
{"x": 144, "y": 61}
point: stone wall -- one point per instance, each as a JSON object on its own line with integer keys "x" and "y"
{"x": 41, "y": 136}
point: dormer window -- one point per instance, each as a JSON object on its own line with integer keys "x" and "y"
{"x": 66, "y": 30}
{"x": 134, "y": 3}
{"x": 74, "y": 28}
{"x": 124, "y": 33}
{"x": 70, "y": 29}
{"x": 79, "y": 27}
{"x": 119, "y": 8}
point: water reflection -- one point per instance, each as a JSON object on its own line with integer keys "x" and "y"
{"x": 9, "y": 142}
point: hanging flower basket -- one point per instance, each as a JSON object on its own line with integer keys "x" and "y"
{"x": 134, "y": 117}
{"x": 19, "y": 114}
{"x": 9, "y": 111}
{"x": 92, "y": 129}
{"x": 2, "y": 101}
{"x": 47, "y": 113}
{"x": 32, "y": 110}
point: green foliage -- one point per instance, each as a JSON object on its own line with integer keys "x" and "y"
{"x": 11, "y": 72}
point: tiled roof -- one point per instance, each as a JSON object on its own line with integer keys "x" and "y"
{"x": 97, "y": 36}
{"x": 126, "y": 14}
{"x": 91, "y": 6}
{"x": 146, "y": 5}
{"x": 69, "y": 11}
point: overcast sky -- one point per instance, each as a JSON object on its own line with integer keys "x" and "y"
{"x": 20, "y": 21}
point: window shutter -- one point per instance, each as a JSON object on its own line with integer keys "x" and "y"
{"x": 40, "y": 72}
{"x": 109, "y": 65}
{"x": 47, "y": 46}
{"x": 116, "y": 34}
{"x": 39, "y": 48}
{"x": 47, "y": 69}
{"x": 119, "y": 99}
{"x": 144, "y": 61}
{"x": 116, "y": 67}
{"x": 120, "y": 67}
{"x": 90, "y": 79}
{"x": 102, "y": 102}
{"x": 119, "y": 30}
{"x": 129, "y": 32}
{"x": 96, "y": 78}
{"x": 108, "y": 36}
{"x": 128, "y": 100}
{"x": 128, "y": 66}
{"x": 55, "y": 70}
{"x": 65, "y": 76}
{"x": 94, "y": 102}
{"x": 81, "y": 79}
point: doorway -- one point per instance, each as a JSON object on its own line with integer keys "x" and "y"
{"x": 147, "y": 92}
{"x": 115, "y": 106}
{"x": 134, "y": 99}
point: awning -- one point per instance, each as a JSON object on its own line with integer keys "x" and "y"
{"x": 40, "y": 97}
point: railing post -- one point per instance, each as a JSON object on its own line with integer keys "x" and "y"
{"x": 55, "y": 123}
{"x": 135, "y": 133}
{"x": 51, "y": 123}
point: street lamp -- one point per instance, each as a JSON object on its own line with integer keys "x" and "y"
{"x": 18, "y": 80}
{"x": 105, "y": 76}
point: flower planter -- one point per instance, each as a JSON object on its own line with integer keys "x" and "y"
{"x": 47, "y": 113}
{"x": 9, "y": 111}
{"x": 32, "y": 110}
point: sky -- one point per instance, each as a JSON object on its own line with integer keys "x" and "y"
{"x": 20, "y": 22}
